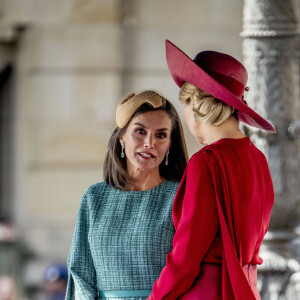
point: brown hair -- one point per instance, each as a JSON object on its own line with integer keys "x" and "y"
{"x": 114, "y": 171}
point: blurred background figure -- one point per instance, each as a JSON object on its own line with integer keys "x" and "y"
{"x": 55, "y": 281}
{"x": 8, "y": 290}
{"x": 13, "y": 255}
{"x": 8, "y": 231}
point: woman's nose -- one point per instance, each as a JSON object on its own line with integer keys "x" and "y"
{"x": 149, "y": 142}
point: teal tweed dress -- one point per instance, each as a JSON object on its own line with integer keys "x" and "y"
{"x": 121, "y": 240}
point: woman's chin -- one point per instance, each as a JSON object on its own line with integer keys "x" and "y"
{"x": 146, "y": 166}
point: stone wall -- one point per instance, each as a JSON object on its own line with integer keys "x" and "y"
{"x": 73, "y": 60}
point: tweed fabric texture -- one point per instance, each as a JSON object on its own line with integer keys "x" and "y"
{"x": 121, "y": 240}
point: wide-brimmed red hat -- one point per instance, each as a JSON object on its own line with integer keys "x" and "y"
{"x": 218, "y": 74}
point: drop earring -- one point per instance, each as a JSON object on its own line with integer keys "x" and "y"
{"x": 195, "y": 118}
{"x": 167, "y": 158}
{"x": 122, "y": 149}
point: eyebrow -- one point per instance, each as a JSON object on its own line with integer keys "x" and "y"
{"x": 142, "y": 125}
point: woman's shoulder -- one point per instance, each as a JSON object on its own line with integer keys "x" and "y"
{"x": 199, "y": 157}
{"x": 96, "y": 188}
{"x": 201, "y": 161}
{"x": 96, "y": 191}
{"x": 168, "y": 184}
{"x": 169, "y": 187}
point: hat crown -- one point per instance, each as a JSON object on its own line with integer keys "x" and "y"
{"x": 225, "y": 69}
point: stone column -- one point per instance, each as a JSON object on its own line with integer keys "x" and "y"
{"x": 128, "y": 42}
{"x": 271, "y": 55}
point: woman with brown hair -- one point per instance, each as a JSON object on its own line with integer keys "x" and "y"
{"x": 222, "y": 209}
{"x": 124, "y": 226}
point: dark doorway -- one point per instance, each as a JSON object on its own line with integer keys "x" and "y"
{"x": 6, "y": 141}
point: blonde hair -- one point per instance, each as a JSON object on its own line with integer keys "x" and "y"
{"x": 207, "y": 108}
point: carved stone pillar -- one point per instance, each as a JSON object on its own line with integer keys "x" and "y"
{"x": 128, "y": 26}
{"x": 271, "y": 56}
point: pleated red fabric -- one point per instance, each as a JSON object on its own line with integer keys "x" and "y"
{"x": 208, "y": 283}
{"x": 221, "y": 213}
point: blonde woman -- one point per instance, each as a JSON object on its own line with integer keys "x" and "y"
{"x": 222, "y": 209}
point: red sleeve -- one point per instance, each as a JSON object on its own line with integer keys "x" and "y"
{"x": 197, "y": 229}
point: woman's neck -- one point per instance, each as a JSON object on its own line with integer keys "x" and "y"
{"x": 145, "y": 180}
{"x": 228, "y": 129}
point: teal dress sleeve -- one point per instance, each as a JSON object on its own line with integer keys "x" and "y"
{"x": 82, "y": 283}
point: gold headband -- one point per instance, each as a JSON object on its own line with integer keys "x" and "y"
{"x": 128, "y": 105}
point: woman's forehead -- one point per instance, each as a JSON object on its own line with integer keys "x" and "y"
{"x": 153, "y": 119}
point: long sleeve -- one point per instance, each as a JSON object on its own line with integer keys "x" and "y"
{"x": 82, "y": 275}
{"x": 195, "y": 232}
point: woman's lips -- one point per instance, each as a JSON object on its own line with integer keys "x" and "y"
{"x": 146, "y": 155}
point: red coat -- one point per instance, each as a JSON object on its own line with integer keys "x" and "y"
{"x": 221, "y": 213}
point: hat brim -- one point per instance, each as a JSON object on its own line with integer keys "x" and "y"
{"x": 183, "y": 69}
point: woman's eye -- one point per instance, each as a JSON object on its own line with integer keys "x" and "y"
{"x": 140, "y": 130}
{"x": 161, "y": 135}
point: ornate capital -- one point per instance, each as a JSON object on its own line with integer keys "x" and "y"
{"x": 269, "y": 18}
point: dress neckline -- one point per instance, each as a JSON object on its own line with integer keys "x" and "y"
{"x": 246, "y": 138}
{"x": 136, "y": 192}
